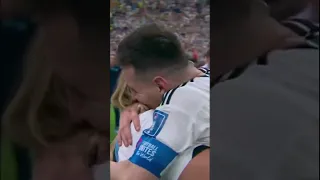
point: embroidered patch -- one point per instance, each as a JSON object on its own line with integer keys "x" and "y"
{"x": 159, "y": 119}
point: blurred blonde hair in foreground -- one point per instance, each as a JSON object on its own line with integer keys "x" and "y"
{"x": 38, "y": 114}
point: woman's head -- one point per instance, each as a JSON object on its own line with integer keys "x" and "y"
{"x": 123, "y": 97}
{"x": 40, "y": 93}
{"x": 45, "y": 108}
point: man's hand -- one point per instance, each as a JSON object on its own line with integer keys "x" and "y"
{"x": 131, "y": 114}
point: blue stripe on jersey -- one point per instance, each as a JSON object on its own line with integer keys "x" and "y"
{"x": 153, "y": 155}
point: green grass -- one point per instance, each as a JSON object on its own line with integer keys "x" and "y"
{"x": 8, "y": 162}
{"x": 112, "y": 124}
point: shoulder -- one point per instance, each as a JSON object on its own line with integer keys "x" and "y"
{"x": 284, "y": 92}
{"x": 192, "y": 92}
{"x": 145, "y": 115}
{"x": 294, "y": 56}
{"x": 265, "y": 108}
{"x": 290, "y": 82}
{"x": 146, "y": 120}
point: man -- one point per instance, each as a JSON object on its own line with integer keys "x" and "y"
{"x": 155, "y": 67}
{"x": 265, "y": 122}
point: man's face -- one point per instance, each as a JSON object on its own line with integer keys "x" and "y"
{"x": 143, "y": 91}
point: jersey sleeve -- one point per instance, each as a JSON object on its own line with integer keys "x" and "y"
{"x": 171, "y": 133}
{"x": 124, "y": 153}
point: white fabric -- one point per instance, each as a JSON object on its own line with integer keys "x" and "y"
{"x": 175, "y": 169}
{"x": 187, "y": 126}
{"x": 188, "y": 116}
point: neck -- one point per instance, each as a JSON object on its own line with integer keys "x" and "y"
{"x": 184, "y": 75}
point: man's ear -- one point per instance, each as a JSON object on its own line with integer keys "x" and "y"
{"x": 160, "y": 82}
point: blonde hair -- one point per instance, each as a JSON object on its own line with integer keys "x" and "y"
{"x": 38, "y": 112}
{"x": 121, "y": 98}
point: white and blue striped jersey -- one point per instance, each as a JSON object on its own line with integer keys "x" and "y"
{"x": 180, "y": 123}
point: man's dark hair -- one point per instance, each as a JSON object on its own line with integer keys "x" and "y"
{"x": 151, "y": 47}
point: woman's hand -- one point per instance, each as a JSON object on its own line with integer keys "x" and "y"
{"x": 71, "y": 158}
{"x": 91, "y": 146}
{"x": 131, "y": 114}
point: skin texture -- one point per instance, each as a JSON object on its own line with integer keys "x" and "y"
{"x": 149, "y": 88}
{"x": 69, "y": 47}
{"x": 143, "y": 91}
{"x": 282, "y": 9}
{"x": 118, "y": 169}
{"x": 260, "y": 32}
{"x": 63, "y": 164}
{"x": 198, "y": 167}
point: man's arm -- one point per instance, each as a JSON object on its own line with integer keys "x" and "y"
{"x": 125, "y": 170}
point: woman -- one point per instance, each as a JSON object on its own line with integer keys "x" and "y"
{"x": 52, "y": 118}
{"x": 186, "y": 161}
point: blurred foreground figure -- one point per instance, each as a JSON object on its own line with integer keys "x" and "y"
{"x": 265, "y": 115}
{"x": 284, "y": 9}
{"x": 60, "y": 111}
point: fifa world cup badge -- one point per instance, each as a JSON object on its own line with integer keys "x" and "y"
{"x": 159, "y": 119}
